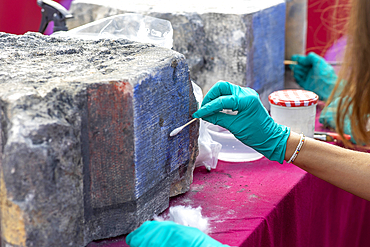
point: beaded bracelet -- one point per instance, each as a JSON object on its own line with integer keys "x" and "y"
{"x": 300, "y": 144}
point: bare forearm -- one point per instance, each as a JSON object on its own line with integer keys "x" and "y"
{"x": 344, "y": 168}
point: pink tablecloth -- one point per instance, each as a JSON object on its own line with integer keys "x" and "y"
{"x": 263, "y": 203}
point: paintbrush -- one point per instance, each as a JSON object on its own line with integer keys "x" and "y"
{"x": 333, "y": 63}
{"x": 329, "y": 137}
{"x": 177, "y": 130}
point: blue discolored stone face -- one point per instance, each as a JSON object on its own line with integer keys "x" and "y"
{"x": 161, "y": 103}
{"x": 268, "y": 47}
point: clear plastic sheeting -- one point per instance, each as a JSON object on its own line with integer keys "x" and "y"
{"x": 135, "y": 27}
{"x": 232, "y": 149}
{"x": 189, "y": 6}
{"x": 209, "y": 149}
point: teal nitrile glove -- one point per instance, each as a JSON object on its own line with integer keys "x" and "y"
{"x": 252, "y": 125}
{"x": 167, "y": 234}
{"x": 314, "y": 74}
{"x": 328, "y": 118}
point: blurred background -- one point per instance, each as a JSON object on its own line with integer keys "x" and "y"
{"x": 21, "y": 16}
{"x": 326, "y": 20}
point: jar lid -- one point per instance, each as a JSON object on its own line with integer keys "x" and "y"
{"x": 293, "y": 98}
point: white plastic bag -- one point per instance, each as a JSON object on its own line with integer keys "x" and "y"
{"x": 208, "y": 148}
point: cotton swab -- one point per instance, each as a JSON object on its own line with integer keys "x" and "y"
{"x": 177, "y": 130}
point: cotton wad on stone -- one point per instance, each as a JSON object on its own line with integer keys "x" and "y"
{"x": 85, "y": 146}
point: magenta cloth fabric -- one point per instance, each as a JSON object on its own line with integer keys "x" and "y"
{"x": 336, "y": 52}
{"x": 263, "y": 203}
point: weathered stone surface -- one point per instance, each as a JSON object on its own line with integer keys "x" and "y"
{"x": 85, "y": 146}
{"x": 295, "y": 28}
{"x": 241, "y": 41}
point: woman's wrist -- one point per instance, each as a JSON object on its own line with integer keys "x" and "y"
{"x": 291, "y": 145}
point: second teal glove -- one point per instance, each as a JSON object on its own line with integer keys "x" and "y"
{"x": 168, "y": 234}
{"x": 314, "y": 74}
{"x": 252, "y": 125}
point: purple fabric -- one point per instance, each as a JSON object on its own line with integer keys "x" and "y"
{"x": 315, "y": 213}
{"x": 66, "y": 4}
{"x": 263, "y": 203}
{"x": 336, "y": 52}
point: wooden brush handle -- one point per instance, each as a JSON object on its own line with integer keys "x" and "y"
{"x": 289, "y": 62}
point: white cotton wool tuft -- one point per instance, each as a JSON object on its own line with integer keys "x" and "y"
{"x": 187, "y": 216}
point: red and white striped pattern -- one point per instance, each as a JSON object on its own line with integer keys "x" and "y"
{"x": 293, "y": 98}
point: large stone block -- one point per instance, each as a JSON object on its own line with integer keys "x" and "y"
{"x": 85, "y": 151}
{"x": 241, "y": 41}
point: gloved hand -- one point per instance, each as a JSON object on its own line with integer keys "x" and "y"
{"x": 252, "y": 125}
{"x": 314, "y": 74}
{"x": 167, "y": 234}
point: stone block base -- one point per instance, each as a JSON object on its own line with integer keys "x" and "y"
{"x": 85, "y": 151}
